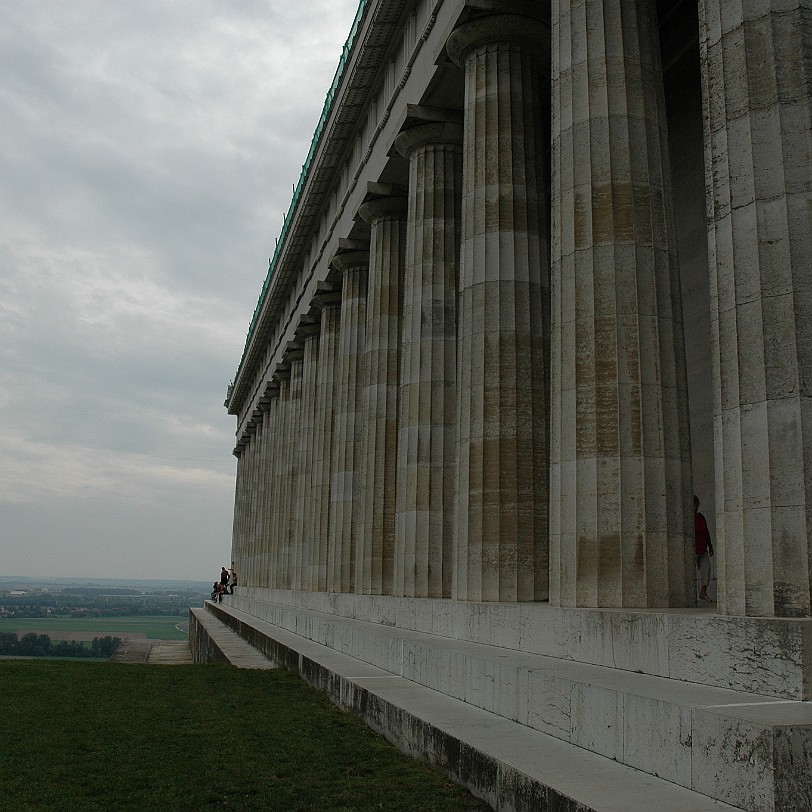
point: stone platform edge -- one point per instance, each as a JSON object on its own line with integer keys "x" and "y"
{"x": 511, "y": 767}
{"x": 766, "y": 656}
{"x": 211, "y": 641}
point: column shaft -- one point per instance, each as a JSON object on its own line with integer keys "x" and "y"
{"x": 621, "y": 531}
{"x": 293, "y": 432}
{"x": 261, "y": 439}
{"x": 427, "y": 427}
{"x": 375, "y": 551}
{"x": 253, "y": 496}
{"x": 238, "y": 551}
{"x": 758, "y": 160}
{"x": 345, "y": 488}
{"x": 501, "y": 550}
{"x": 271, "y": 435}
{"x": 305, "y": 542}
{"x": 281, "y": 485}
{"x": 323, "y": 440}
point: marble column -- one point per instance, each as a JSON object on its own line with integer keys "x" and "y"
{"x": 269, "y": 437}
{"x": 427, "y": 429}
{"x": 757, "y": 76}
{"x": 304, "y": 540}
{"x": 379, "y": 399}
{"x": 501, "y": 546}
{"x": 237, "y": 544}
{"x": 621, "y": 503}
{"x": 246, "y": 504}
{"x": 345, "y": 490}
{"x": 258, "y": 532}
{"x": 250, "y": 528}
{"x": 330, "y": 305}
{"x": 277, "y": 561}
{"x": 292, "y": 467}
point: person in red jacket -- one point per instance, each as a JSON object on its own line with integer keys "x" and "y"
{"x": 704, "y": 550}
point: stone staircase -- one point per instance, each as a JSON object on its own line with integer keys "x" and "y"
{"x": 152, "y": 652}
{"x": 522, "y": 729}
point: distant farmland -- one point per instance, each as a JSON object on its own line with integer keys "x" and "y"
{"x": 58, "y": 628}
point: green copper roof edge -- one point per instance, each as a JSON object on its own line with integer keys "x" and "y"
{"x": 314, "y": 142}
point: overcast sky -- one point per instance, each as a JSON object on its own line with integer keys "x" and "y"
{"x": 147, "y": 154}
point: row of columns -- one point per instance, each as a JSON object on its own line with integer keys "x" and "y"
{"x": 490, "y": 411}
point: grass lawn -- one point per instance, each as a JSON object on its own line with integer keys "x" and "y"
{"x": 101, "y": 736}
{"x": 155, "y": 627}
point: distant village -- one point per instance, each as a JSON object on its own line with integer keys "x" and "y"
{"x": 33, "y": 599}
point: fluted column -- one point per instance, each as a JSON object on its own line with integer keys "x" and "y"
{"x": 501, "y": 548}
{"x": 246, "y": 506}
{"x": 303, "y": 568}
{"x": 259, "y": 532}
{"x": 270, "y": 438}
{"x": 252, "y": 495}
{"x": 379, "y": 399}
{"x": 345, "y": 488}
{"x": 621, "y": 501}
{"x": 281, "y": 483}
{"x": 292, "y": 435}
{"x": 427, "y": 434}
{"x": 239, "y": 552}
{"x": 756, "y": 66}
{"x": 330, "y": 304}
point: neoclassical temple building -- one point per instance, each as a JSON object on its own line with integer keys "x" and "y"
{"x": 546, "y": 275}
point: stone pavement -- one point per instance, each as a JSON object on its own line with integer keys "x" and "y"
{"x": 153, "y": 652}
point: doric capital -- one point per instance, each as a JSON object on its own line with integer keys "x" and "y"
{"x": 282, "y": 372}
{"x": 499, "y": 28}
{"x": 409, "y": 141}
{"x": 381, "y": 208}
{"x": 350, "y": 260}
{"x": 271, "y": 390}
{"x": 325, "y": 300}
{"x": 308, "y": 330}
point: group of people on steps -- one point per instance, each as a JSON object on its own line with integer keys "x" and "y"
{"x": 226, "y": 584}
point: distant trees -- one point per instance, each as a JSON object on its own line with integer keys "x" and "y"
{"x": 40, "y": 645}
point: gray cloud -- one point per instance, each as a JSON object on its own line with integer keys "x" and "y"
{"x": 147, "y": 154}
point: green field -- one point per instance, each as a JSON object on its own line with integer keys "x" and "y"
{"x": 155, "y": 628}
{"x": 102, "y": 736}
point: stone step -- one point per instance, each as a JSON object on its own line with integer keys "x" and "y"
{"x": 508, "y": 764}
{"x": 132, "y": 650}
{"x": 216, "y": 642}
{"x": 169, "y": 652}
{"x": 768, "y": 656}
{"x": 741, "y": 748}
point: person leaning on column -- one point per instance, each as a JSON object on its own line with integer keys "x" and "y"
{"x": 704, "y": 551}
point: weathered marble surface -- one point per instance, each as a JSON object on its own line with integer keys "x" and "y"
{"x": 685, "y": 645}
{"x": 758, "y": 105}
{"x": 345, "y": 485}
{"x": 502, "y": 475}
{"x": 742, "y": 747}
{"x": 375, "y": 550}
{"x": 425, "y": 483}
{"x": 621, "y": 531}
